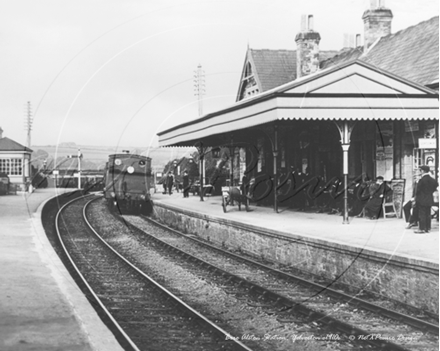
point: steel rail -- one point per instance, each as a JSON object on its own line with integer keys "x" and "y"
{"x": 219, "y": 331}
{"x": 287, "y": 303}
{"x": 355, "y": 301}
{"x": 115, "y": 325}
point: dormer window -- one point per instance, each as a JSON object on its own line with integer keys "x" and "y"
{"x": 248, "y": 71}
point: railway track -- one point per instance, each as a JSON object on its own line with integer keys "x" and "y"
{"x": 361, "y": 321}
{"x": 142, "y": 313}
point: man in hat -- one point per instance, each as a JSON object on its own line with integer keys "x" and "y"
{"x": 185, "y": 184}
{"x": 170, "y": 182}
{"x": 424, "y": 200}
{"x": 378, "y": 193}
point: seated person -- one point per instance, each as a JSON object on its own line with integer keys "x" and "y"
{"x": 411, "y": 211}
{"x": 378, "y": 193}
{"x": 359, "y": 197}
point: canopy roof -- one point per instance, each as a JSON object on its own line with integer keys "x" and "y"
{"x": 9, "y": 145}
{"x": 352, "y": 91}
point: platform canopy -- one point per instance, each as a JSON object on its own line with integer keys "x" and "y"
{"x": 352, "y": 91}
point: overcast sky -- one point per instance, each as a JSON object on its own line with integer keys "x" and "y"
{"x": 115, "y": 72}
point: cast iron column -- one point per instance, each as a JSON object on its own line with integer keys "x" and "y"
{"x": 345, "y": 148}
{"x": 345, "y": 128}
{"x": 275, "y": 175}
{"x": 201, "y": 152}
{"x": 232, "y": 154}
{"x": 202, "y": 158}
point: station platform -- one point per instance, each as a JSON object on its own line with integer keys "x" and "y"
{"x": 41, "y": 307}
{"x": 377, "y": 256}
{"x": 387, "y": 236}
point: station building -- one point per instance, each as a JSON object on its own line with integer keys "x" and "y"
{"x": 364, "y": 111}
{"x": 15, "y": 162}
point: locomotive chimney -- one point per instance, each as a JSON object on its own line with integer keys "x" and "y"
{"x": 307, "y": 52}
{"x": 1, "y": 132}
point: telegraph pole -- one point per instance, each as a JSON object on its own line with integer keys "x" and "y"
{"x": 28, "y": 124}
{"x": 28, "y": 127}
{"x": 199, "y": 91}
{"x": 199, "y": 87}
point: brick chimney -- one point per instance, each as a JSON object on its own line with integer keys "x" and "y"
{"x": 307, "y": 51}
{"x": 1, "y": 132}
{"x": 377, "y": 22}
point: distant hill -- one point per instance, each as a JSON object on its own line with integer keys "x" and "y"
{"x": 95, "y": 157}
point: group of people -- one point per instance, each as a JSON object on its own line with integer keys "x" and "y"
{"x": 367, "y": 198}
{"x": 417, "y": 211}
{"x": 169, "y": 182}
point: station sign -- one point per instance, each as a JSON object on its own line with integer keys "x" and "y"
{"x": 411, "y": 126}
{"x": 55, "y": 172}
{"x": 427, "y": 143}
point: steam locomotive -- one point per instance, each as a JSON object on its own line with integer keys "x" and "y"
{"x": 127, "y": 182}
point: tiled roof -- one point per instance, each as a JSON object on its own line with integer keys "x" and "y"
{"x": 7, "y": 144}
{"x": 274, "y": 67}
{"x": 412, "y": 53}
{"x": 343, "y": 56}
{"x": 277, "y": 67}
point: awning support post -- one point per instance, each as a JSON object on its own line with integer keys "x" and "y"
{"x": 345, "y": 128}
{"x": 232, "y": 154}
{"x": 202, "y": 167}
{"x": 201, "y": 150}
{"x": 345, "y": 148}
{"x": 275, "y": 175}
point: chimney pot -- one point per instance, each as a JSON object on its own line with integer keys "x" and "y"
{"x": 310, "y": 23}
{"x": 307, "y": 53}
{"x": 358, "y": 40}
{"x": 303, "y": 23}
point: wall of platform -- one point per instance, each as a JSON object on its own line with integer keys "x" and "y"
{"x": 411, "y": 281}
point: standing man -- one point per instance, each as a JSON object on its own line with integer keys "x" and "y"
{"x": 410, "y": 209}
{"x": 170, "y": 182}
{"x": 424, "y": 200}
{"x": 185, "y": 184}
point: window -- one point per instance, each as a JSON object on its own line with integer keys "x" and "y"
{"x": 16, "y": 168}
{"x": 4, "y": 165}
{"x": 248, "y": 71}
{"x": 13, "y": 166}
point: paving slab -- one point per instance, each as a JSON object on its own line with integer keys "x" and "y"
{"x": 41, "y": 307}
